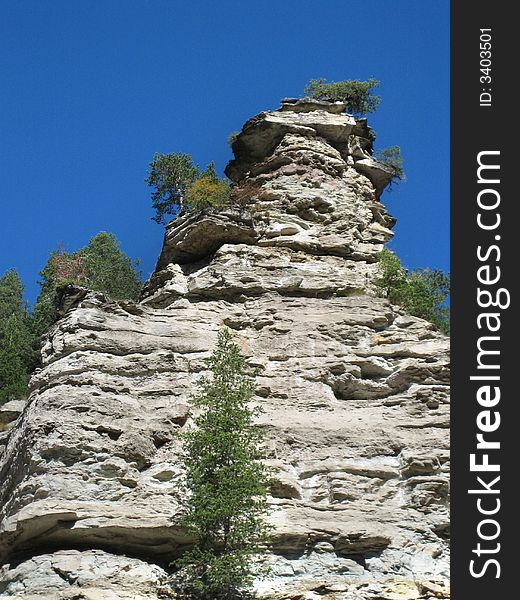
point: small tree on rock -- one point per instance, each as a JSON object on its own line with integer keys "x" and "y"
{"x": 101, "y": 266}
{"x": 391, "y": 157}
{"x": 226, "y": 483}
{"x": 357, "y": 95}
{"x": 421, "y": 292}
{"x": 170, "y": 175}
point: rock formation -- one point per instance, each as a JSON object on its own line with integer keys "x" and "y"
{"x": 355, "y": 392}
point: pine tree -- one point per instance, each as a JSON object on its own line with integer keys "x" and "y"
{"x": 108, "y": 269}
{"x": 101, "y": 266}
{"x": 226, "y": 483}
{"x": 180, "y": 186}
{"x": 16, "y": 352}
{"x": 170, "y": 175}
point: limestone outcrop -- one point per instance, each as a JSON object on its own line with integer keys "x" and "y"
{"x": 355, "y": 392}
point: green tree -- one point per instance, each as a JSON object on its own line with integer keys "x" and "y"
{"x": 99, "y": 266}
{"x": 16, "y": 348}
{"x": 422, "y": 292}
{"x": 226, "y": 483}
{"x": 391, "y": 157}
{"x": 108, "y": 269}
{"x": 357, "y": 95}
{"x": 170, "y": 175}
{"x": 181, "y": 186}
{"x": 11, "y": 296}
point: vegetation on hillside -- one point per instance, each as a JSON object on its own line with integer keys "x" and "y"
{"x": 100, "y": 266}
{"x": 357, "y": 95}
{"x": 225, "y": 483}
{"x": 180, "y": 185}
{"x": 422, "y": 292}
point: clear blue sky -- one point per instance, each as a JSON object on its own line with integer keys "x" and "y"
{"x": 92, "y": 88}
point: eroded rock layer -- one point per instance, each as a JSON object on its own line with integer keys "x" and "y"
{"x": 355, "y": 392}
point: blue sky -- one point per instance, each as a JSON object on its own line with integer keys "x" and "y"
{"x": 92, "y": 88}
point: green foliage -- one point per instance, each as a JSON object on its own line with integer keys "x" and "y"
{"x": 226, "y": 483}
{"x": 108, "y": 269}
{"x": 100, "y": 266}
{"x": 391, "y": 157}
{"x": 173, "y": 175}
{"x": 421, "y": 292}
{"x": 16, "y": 352}
{"x": 208, "y": 192}
{"x": 170, "y": 175}
{"x": 358, "y": 95}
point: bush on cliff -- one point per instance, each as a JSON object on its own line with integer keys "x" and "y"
{"x": 357, "y": 95}
{"x": 421, "y": 292}
{"x": 101, "y": 266}
{"x": 225, "y": 483}
{"x": 173, "y": 176}
{"x": 391, "y": 157}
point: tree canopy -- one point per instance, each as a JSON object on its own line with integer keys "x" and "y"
{"x": 357, "y": 95}
{"x": 180, "y": 185}
{"x": 391, "y": 157}
{"x": 170, "y": 175}
{"x": 16, "y": 340}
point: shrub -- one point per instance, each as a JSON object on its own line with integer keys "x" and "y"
{"x": 245, "y": 192}
{"x": 207, "y": 192}
{"x": 422, "y": 292}
{"x": 226, "y": 484}
{"x": 357, "y": 95}
{"x": 391, "y": 157}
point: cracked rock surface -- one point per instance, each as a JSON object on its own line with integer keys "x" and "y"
{"x": 355, "y": 392}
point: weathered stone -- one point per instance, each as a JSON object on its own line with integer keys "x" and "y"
{"x": 354, "y": 393}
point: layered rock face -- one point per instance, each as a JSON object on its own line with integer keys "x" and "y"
{"x": 354, "y": 392}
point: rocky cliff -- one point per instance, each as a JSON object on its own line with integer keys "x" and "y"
{"x": 355, "y": 391}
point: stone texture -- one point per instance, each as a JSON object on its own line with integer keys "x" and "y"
{"x": 355, "y": 392}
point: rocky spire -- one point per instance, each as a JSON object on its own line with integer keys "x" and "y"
{"x": 355, "y": 391}
{"x": 305, "y": 181}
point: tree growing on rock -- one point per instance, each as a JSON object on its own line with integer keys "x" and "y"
{"x": 180, "y": 185}
{"x": 357, "y": 95}
{"x": 226, "y": 483}
{"x": 171, "y": 175}
{"x": 421, "y": 292}
{"x": 391, "y": 157}
{"x": 16, "y": 349}
{"x": 100, "y": 266}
